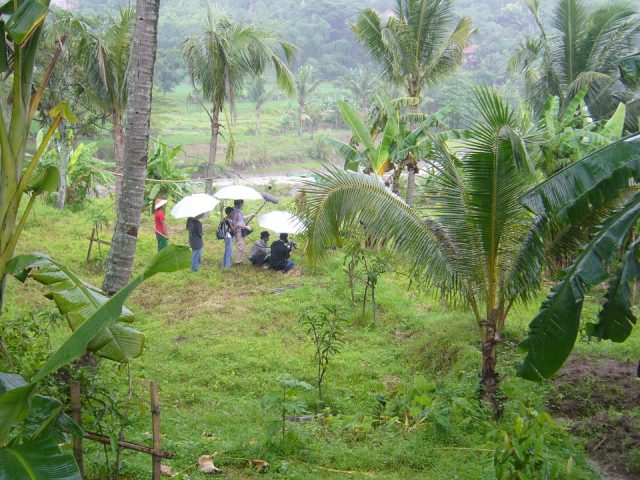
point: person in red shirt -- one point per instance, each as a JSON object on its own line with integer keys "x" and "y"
{"x": 162, "y": 234}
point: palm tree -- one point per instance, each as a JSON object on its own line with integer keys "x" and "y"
{"x": 108, "y": 55}
{"x": 572, "y": 195}
{"x": 136, "y": 148}
{"x": 584, "y": 47}
{"x": 479, "y": 246}
{"x": 361, "y": 83}
{"x": 222, "y": 58}
{"x": 415, "y": 48}
{"x": 258, "y": 94}
{"x": 305, "y": 86}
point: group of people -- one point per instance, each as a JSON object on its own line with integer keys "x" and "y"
{"x": 233, "y": 227}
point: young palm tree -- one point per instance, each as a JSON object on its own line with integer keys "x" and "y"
{"x": 361, "y": 83}
{"x": 222, "y": 58}
{"x": 585, "y": 47}
{"x": 258, "y": 94}
{"x": 415, "y": 48}
{"x": 305, "y": 86}
{"x": 107, "y": 64}
{"x": 136, "y": 148}
{"x": 480, "y": 245}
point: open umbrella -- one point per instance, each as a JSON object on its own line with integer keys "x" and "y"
{"x": 238, "y": 192}
{"x": 194, "y": 205}
{"x": 281, "y": 222}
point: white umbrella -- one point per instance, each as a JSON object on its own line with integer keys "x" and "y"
{"x": 281, "y": 222}
{"x": 238, "y": 192}
{"x": 194, "y": 205}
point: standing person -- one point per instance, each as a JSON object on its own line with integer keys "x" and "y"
{"x": 227, "y": 229}
{"x": 194, "y": 227}
{"x": 238, "y": 225}
{"x": 280, "y": 253}
{"x": 162, "y": 234}
{"x": 259, "y": 252}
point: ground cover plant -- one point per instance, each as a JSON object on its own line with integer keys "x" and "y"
{"x": 225, "y": 337}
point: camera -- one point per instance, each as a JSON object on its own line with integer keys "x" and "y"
{"x": 292, "y": 245}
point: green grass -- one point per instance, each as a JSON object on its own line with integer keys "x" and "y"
{"x": 217, "y": 340}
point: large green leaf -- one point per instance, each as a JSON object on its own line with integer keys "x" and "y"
{"x": 553, "y": 331}
{"x": 587, "y": 183}
{"x": 351, "y": 118}
{"x": 616, "y": 319}
{"x": 15, "y": 404}
{"x": 349, "y": 153}
{"x": 25, "y": 20}
{"x": 4, "y": 59}
{"x": 78, "y": 300}
{"x": 48, "y": 180}
{"x": 40, "y": 459}
{"x": 615, "y": 125}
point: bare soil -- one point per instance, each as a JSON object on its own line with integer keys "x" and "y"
{"x": 601, "y": 398}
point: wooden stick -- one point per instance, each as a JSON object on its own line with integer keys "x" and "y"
{"x": 128, "y": 445}
{"x": 155, "y": 428}
{"x": 90, "y": 244}
{"x": 75, "y": 414}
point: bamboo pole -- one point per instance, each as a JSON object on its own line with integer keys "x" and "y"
{"x": 155, "y": 426}
{"x": 128, "y": 445}
{"x": 75, "y": 414}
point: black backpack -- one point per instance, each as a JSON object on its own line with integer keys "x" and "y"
{"x": 223, "y": 229}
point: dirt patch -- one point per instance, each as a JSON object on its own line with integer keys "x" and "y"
{"x": 601, "y": 396}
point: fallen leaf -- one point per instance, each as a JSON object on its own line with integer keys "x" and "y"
{"x": 205, "y": 465}
{"x": 260, "y": 465}
{"x": 166, "y": 470}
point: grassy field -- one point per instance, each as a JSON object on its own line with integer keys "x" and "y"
{"x": 216, "y": 342}
{"x": 276, "y": 148}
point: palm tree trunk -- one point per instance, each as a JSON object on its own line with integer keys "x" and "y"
{"x": 489, "y": 381}
{"x": 130, "y": 202}
{"x": 213, "y": 148}
{"x": 258, "y": 109}
{"x": 64, "y": 164}
{"x": 412, "y": 169}
{"x": 118, "y": 148}
{"x": 300, "y": 110}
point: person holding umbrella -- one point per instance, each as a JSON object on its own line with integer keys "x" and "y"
{"x": 280, "y": 253}
{"x": 194, "y": 227}
{"x": 162, "y": 234}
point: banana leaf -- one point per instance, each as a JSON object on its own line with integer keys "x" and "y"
{"x": 15, "y": 404}
{"x": 553, "y": 331}
{"x": 584, "y": 185}
{"x": 25, "y": 20}
{"x": 616, "y": 318}
{"x": 78, "y": 300}
{"x": 40, "y": 459}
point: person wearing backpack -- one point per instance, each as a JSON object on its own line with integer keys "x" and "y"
{"x": 194, "y": 227}
{"x": 224, "y": 229}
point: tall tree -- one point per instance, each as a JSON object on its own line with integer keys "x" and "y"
{"x": 107, "y": 68}
{"x": 136, "y": 148}
{"x": 415, "y": 48}
{"x": 478, "y": 244}
{"x": 305, "y": 86}
{"x": 583, "y": 47}
{"x": 221, "y": 59}
{"x": 68, "y": 33}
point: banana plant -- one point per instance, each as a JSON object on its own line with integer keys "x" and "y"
{"x": 569, "y": 196}
{"x": 31, "y": 425}
{"x": 20, "y": 29}
{"x": 77, "y": 300}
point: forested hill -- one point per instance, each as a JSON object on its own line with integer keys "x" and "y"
{"x": 321, "y": 29}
